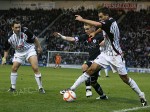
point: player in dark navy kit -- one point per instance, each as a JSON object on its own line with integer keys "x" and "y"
{"x": 23, "y": 41}
{"x": 94, "y": 50}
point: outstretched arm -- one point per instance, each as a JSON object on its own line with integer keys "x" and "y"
{"x": 71, "y": 39}
{"x": 94, "y": 23}
{"x": 5, "y": 57}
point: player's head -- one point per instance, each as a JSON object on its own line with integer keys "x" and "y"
{"x": 103, "y": 13}
{"x": 16, "y": 26}
{"x": 89, "y": 28}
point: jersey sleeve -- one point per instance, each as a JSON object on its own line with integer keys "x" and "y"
{"x": 30, "y": 36}
{"x": 7, "y": 45}
{"x": 106, "y": 24}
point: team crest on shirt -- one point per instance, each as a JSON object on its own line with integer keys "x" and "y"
{"x": 94, "y": 40}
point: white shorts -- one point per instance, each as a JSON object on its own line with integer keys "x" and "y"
{"x": 115, "y": 62}
{"x": 21, "y": 57}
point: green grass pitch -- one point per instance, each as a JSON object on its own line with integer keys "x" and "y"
{"x": 27, "y": 98}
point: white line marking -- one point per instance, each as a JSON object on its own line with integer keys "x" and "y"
{"x": 131, "y": 109}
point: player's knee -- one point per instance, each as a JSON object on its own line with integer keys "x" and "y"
{"x": 90, "y": 71}
{"x": 84, "y": 67}
{"x": 14, "y": 68}
{"x": 124, "y": 78}
{"x": 35, "y": 69}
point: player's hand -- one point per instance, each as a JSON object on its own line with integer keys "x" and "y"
{"x": 39, "y": 50}
{"x": 3, "y": 61}
{"x": 56, "y": 34}
{"x": 92, "y": 35}
{"x": 78, "y": 17}
{"x": 59, "y": 35}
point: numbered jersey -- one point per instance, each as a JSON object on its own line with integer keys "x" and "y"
{"x": 21, "y": 42}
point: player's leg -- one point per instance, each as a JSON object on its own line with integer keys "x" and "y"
{"x": 84, "y": 77}
{"x": 135, "y": 88}
{"x": 97, "y": 86}
{"x": 90, "y": 71}
{"x": 106, "y": 72}
{"x": 99, "y": 73}
{"x": 55, "y": 64}
{"x": 87, "y": 83}
{"x": 123, "y": 75}
{"x": 58, "y": 64}
{"x": 34, "y": 63}
{"x": 13, "y": 75}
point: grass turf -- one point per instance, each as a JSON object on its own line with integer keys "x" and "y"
{"x": 27, "y": 98}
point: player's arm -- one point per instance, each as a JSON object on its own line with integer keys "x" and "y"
{"x": 71, "y": 39}
{"x": 31, "y": 38}
{"x": 96, "y": 32}
{"x": 102, "y": 43}
{"x": 94, "y": 23}
{"x": 6, "y": 51}
{"x": 5, "y": 57}
{"x": 38, "y": 45}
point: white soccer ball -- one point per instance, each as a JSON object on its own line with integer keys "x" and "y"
{"x": 69, "y": 96}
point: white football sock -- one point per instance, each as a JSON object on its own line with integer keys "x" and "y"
{"x": 88, "y": 87}
{"x": 106, "y": 71}
{"x": 134, "y": 86}
{"x": 38, "y": 80}
{"x": 80, "y": 80}
{"x": 99, "y": 73}
{"x": 13, "y": 78}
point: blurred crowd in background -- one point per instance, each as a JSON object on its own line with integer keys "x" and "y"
{"x": 134, "y": 29}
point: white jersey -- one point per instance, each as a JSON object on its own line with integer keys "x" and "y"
{"x": 111, "y": 46}
{"x": 19, "y": 42}
{"x": 22, "y": 42}
{"x": 111, "y": 51}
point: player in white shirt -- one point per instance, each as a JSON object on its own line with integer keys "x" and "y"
{"x": 23, "y": 41}
{"x": 105, "y": 69}
{"x": 111, "y": 55}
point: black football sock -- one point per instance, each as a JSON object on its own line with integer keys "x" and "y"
{"x": 98, "y": 89}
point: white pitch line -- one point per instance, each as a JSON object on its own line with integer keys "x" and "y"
{"x": 131, "y": 109}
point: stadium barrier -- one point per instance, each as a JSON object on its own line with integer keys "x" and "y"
{"x": 139, "y": 70}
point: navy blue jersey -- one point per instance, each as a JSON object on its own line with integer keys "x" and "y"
{"x": 91, "y": 44}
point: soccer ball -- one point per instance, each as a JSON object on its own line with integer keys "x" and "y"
{"x": 69, "y": 96}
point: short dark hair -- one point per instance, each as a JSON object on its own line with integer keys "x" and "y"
{"x": 105, "y": 11}
{"x": 14, "y": 22}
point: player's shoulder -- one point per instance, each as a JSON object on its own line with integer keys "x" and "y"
{"x": 10, "y": 33}
{"x": 108, "y": 21}
{"x": 24, "y": 29}
{"x": 27, "y": 31}
{"x": 111, "y": 19}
